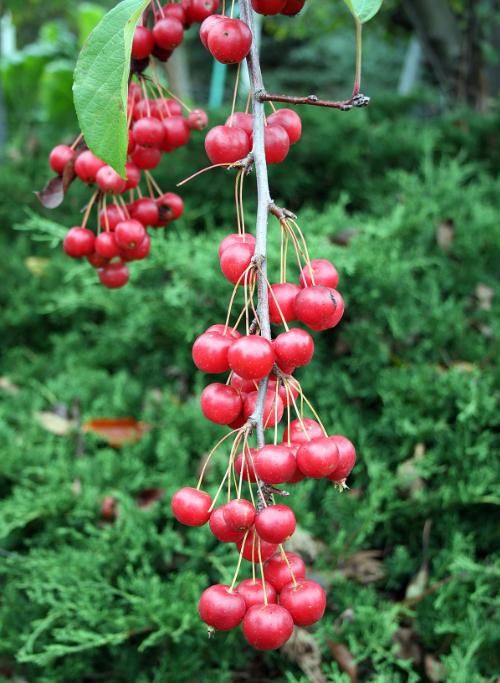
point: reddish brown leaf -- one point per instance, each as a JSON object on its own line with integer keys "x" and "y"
{"x": 148, "y": 497}
{"x": 303, "y": 649}
{"x": 117, "y": 431}
{"x": 52, "y": 194}
{"x": 344, "y": 659}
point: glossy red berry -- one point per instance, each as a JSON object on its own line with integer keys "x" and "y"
{"x": 168, "y": 33}
{"x": 114, "y": 275}
{"x": 275, "y": 464}
{"x": 276, "y": 523}
{"x": 255, "y": 548}
{"x": 293, "y": 348}
{"x": 172, "y": 9}
{"x": 268, "y": 6}
{"x": 145, "y": 211}
{"x": 108, "y": 180}
{"x": 97, "y": 261}
{"x": 235, "y": 263}
{"x": 279, "y": 572}
{"x": 229, "y": 41}
{"x": 106, "y": 246}
{"x": 267, "y": 627}
{"x": 111, "y": 216}
{"x": 273, "y": 407}
{"x": 226, "y": 144}
{"x": 282, "y": 299}
{"x": 245, "y": 462}
{"x": 146, "y": 158}
{"x": 207, "y": 26}
{"x": 252, "y": 592}
{"x": 321, "y": 271}
{"x": 141, "y": 251}
{"x": 293, "y": 7}
{"x": 221, "y": 608}
{"x": 87, "y": 165}
{"x": 170, "y": 207}
{"x": 219, "y": 328}
{"x": 239, "y": 514}
{"x": 305, "y": 600}
{"x": 241, "y": 120}
{"x": 251, "y": 357}
{"x": 277, "y": 144}
{"x": 318, "y": 458}
{"x": 197, "y": 119}
{"x": 79, "y": 242}
{"x": 133, "y": 176}
{"x": 59, "y": 157}
{"x": 290, "y": 121}
{"x": 210, "y": 352}
{"x": 320, "y": 308}
{"x": 176, "y": 133}
{"x": 129, "y": 234}
{"x": 220, "y": 403}
{"x": 148, "y": 132}
{"x": 200, "y": 10}
{"x": 143, "y": 43}
{"x": 220, "y": 528}
{"x": 236, "y": 238}
{"x": 191, "y": 506}
{"x": 347, "y": 458}
{"x": 302, "y": 431}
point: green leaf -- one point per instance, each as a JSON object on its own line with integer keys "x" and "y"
{"x": 100, "y": 83}
{"x": 364, "y": 10}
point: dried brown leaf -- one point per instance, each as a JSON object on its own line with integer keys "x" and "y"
{"x": 303, "y": 543}
{"x": 344, "y": 659}
{"x": 52, "y": 194}
{"x": 434, "y": 669}
{"x": 117, "y": 431}
{"x": 407, "y": 645}
{"x": 445, "y": 234}
{"x": 148, "y": 497}
{"x": 485, "y": 296}
{"x": 365, "y": 566}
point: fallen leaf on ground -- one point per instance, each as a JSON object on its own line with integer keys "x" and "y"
{"x": 55, "y": 424}
{"x": 484, "y": 296}
{"x": 303, "y": 650}
{"x": 117, "y": 431}
{"x": 344, "y": 659}
{"x": 407, "y": 646}
{"x": 365, "y": 566}
{"x": 148, "y": 497}
{"x": 445, "y": 234}
{"x": 434, "y": 669}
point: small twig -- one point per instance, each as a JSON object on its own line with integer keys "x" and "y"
{"x": 357, "y": 100}
{"x": 280, "y": 213}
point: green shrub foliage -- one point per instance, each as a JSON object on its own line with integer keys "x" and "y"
{"x": 408, "y": 554}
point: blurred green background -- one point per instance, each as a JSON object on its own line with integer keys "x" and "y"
{"x": 404, "y": 197}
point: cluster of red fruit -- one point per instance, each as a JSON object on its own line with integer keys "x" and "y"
{"x": 269, "y": 607}
{"x": 157, "y": 126}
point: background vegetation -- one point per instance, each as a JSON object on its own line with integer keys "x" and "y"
{"x": 404, "y": 198}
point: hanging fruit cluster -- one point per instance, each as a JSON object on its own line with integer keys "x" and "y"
{"x": 159, "y": 123}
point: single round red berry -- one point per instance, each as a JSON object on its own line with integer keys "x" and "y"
{"x": 221, "y": 608}
{"x": 235, "y": 262}
{"x": 170, "y": 207}
{"x": 97, "y": 261}
{"x": 277, "y": 144}
{"x": 302, "y": 431}
{"x": 318, "y": 458}
{"x": 108, "y": 180}
{"x": 347, "y": 458}
{"x": 172, "y": 9}
{"x": 229, "y": 41}
{"x": 145, "y": 211}
{"x": 219, "y": 328}
{"x": 105, "y": 245}
{"x": 114, "y": 275}
{"x": 111, "y": 216}
{"x": 220, "y": 403}
{"x": 133, "y": 176}
{"x": 276, "y": 523}
{"x": 220, "y": 528}
{"x": 305, "y": 600}
{"x": 321, "y": 271}
{"x": 207, "y": 26}
{"x": 176, "y": 133}
{"x": 251, "y": 357}
{"x": 293, "y": 348}
{"x": 239, "y": 514}
{"x": 197, "y": 119}
{"x": 252, "y": 592}
{"x": 87, "y": 165}
{"x": 268, "y": 6}
{"x": 191, "y": 507}
{"x": 290, "y": 121}
{"x": 199, "y": 10}
{"x": 241, "y": 120}
{"x": 210, "y": 352}
{"x": 245, "y": 462}
{"x": 143, "y": 43}
{"x": 146, "y": 158}
{"x": 320, "y": 308}
{"x": 148, "y": 132}
{"x": 279, "y": 571}
{"x": 236, "y": 238}
{"x": 267, "y": 627}
{"x": 141, "y": 251}
{"x": 226, "y": 144}
{"x": 284, "y": 301}
{"x": 79, "y": 242}
{"x": 293, "y": 7}
{"x": 129, "y": 234}
{"x": 59, "y": 157}
{"x": 275, "y": 464}
{"x": 168, "y": 33}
